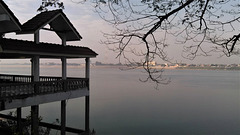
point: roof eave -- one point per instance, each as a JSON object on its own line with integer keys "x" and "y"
{"x": 25, "y": 32}
{"x": 26, "y": 54}
{"x": 29, "y": 48}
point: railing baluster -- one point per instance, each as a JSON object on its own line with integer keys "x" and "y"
{"x": 24, "y": 86}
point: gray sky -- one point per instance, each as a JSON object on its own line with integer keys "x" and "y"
{"x": 90, "y": 26}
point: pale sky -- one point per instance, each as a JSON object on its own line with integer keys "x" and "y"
{"x": 90, "y": 26}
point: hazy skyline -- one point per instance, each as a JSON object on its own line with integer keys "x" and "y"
{"x": 90, "y": 26}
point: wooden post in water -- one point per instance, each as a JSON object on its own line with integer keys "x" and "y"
{"x": 35, "y": 74}
{"x": 19, "y": 121}
{"x": 63, "y": 102}
{"x": 35, "y": 121}
{"x": 87, "y": 100}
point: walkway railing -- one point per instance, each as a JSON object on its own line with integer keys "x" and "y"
{"x": 21, "y": 86}
{"x": 25, "y": 78}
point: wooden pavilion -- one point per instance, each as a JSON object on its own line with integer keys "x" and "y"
{"x": 17, "y": 91}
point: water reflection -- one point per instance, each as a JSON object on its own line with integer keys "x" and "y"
{"x": 196, "y": 102}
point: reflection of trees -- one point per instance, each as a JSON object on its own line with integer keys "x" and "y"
{"x": 146, "y": 28}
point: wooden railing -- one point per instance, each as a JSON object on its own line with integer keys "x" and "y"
{"x": 15, "y": 78}
{"x": 25, "y": 78}
{"x": 17, "y": 86}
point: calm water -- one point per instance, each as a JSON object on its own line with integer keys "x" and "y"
{"x": 196, "y": 102}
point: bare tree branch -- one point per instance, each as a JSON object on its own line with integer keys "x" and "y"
{"x": 143, "y": 29}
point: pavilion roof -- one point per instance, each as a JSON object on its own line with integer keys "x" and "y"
{"x": 12, "y": 48}
{"x": 58, "y": 22}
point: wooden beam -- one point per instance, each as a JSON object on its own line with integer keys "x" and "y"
{"x": 48, "y": 29}
{"x": 58, "y": 31}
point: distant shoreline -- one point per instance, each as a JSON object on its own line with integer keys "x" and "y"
{"x": 175, "y": 68}
{"x": 207, "y": 68}
{"x": 170, "y": 67}
{"x": 123, "y": 67}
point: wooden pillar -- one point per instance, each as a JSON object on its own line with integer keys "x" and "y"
{"x": 35, "y": 108}
{"x": 87, "y": 68}
{"x": 36, "y": 37}
{"x": 19, "y": 121}
{"x": 34, "y": 120}
{"x": 64, "y": 60}
{"x": 32, "y": 68}
{"x": 87, "y": 111}
{"x": 63, "y": 102}
{"x": 63, "y": 117}
{"x": 35, "y": 74}
{"x": 35, "y": 68}
{"x": 87, "y": 99}
{"x": 35, "y": 60}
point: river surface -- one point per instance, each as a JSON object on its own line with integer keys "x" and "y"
{"x": 196, "y": 102}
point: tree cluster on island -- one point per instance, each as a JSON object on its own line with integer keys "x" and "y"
{"x": 179, "y": 66}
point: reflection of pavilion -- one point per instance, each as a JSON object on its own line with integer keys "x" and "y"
{"x": 18, "y": 91}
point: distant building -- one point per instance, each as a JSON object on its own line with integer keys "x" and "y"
{"x": 234, "y": 65}
{"x": 214, "y": 65}
{"x": 192, "y": 65}
{"x": 182, "y": 64}
{"x": 162, "y": 65}
{"x": 150, "y": 63}
{"x": 98, "y": 63}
